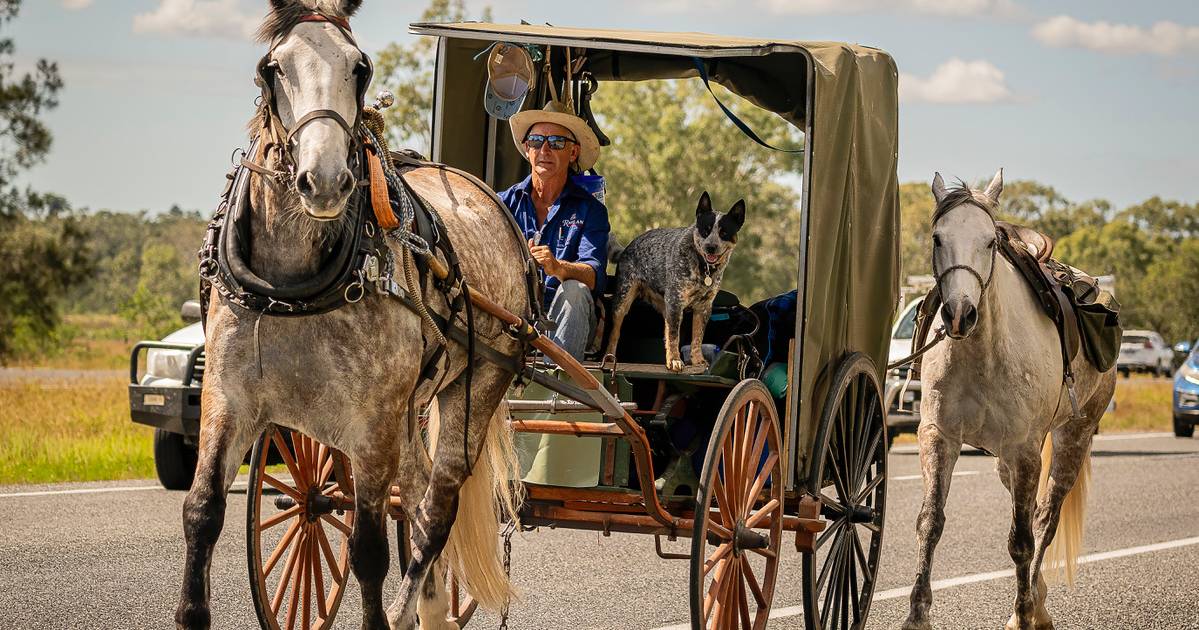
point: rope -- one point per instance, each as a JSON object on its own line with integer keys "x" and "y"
{"x": 417, "y": 293}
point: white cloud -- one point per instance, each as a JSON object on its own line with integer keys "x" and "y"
{"x": 211, "y": 18}
{"x": 951, "y": 8}
{"x": 75, "y": 5}
{"x": 1164, "y": 38}
{"x": 956, "y": 82}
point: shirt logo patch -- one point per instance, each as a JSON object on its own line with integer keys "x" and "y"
{"x": 572, "y": 223}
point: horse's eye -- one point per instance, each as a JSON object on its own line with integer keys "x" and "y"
{"x": 936, "y": 240}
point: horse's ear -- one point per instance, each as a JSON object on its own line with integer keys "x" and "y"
{"x": 995, "y": 187}
{"x": 704, "y": 205}
{"x": 938, "y": 187}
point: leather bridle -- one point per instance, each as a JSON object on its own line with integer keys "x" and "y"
{"x": 273, "y": 123}
{"x": 984, "y": 284}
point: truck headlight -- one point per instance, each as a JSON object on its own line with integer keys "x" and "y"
{"x": 166, "y": 363}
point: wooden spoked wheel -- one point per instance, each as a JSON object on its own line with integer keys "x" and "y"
{"x": 462, "y": 605}
{"x": 299, "y": 552}
{"x": 849, "y": 476}
{"x": 739, "y": 514}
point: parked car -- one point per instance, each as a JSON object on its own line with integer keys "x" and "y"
{"x": 1144, "y": 351}
{"x": 1182, "y": 350}
{"x": 1186, "y": 394}
{"x": 167, "y": 397}
{"x": 901, "y": 395}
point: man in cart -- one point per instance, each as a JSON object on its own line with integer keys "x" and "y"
{"x": 566, "y": 226}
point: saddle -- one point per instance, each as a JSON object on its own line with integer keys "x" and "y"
{"x": 1086, "y": 316}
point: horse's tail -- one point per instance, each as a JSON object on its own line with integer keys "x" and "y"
{"x": 1061, "y": 558}
{"x": 493, "y": 489}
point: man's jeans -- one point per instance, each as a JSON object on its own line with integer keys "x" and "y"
{"x": 574, "y": 310}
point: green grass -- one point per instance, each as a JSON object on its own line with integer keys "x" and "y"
{"x": 89, "y": 342}
{"x": 76, "y": 430}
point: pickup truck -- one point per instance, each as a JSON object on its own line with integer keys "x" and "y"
{"x": 166, "y": 396}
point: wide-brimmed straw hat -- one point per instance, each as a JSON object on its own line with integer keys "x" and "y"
{"x": 558, "y": 113}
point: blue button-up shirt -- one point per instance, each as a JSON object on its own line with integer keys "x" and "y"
{"x": 576, "y": 228}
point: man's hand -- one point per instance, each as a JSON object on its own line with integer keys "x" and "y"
{"x": 545, "y": 258}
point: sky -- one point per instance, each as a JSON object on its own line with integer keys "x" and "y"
{"x": 1098, "y": 98}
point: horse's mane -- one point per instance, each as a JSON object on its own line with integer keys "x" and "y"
{"x": 284, "y": 16}
{"x": 959, "y": 194}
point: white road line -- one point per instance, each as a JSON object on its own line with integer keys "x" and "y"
{"x": 46, "y": 493}
{"x": 1131, "y": 436}
{"x": 908, "y": 449}
{"x": 960, "y": 473}
{"x": 904, "y": 591}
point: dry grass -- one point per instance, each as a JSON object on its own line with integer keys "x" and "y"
{"x": 76, "y": 430}
{"x": 1143, "y": 403}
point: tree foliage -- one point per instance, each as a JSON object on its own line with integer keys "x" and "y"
{"x": 671, "y": 142}
{"x": 407, "y": 71}
{"x": 42, "y": 247}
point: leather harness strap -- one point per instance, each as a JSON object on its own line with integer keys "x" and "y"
{"x": 380, "y": 201}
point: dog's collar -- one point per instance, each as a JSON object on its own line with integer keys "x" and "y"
{"x": 709, "y": 268}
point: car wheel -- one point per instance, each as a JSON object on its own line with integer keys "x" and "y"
{"x": 1183, "y": 429}
{"x": 174, "y": 460}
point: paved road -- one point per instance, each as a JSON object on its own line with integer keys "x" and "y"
{"x": 111, "y": 559}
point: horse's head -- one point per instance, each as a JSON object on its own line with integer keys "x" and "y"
{"x": 964, "y": 242}
{"x": 313, "y": 82}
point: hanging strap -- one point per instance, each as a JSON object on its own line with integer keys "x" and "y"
{"x": 703, "y": 75}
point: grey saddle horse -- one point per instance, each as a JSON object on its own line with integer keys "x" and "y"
{"x": 997, "y": 383}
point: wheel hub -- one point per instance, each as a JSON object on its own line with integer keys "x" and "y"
{"x": 746, "y": 538}
{"x": 861, "y": 514}
{"x": 317, "y": 504}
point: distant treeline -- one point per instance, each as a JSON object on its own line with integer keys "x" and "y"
{"x": 1152, "y": 248}
{"x": 145, "y": 267}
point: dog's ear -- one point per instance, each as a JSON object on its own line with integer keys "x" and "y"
{"x": 736, "y": 216}
{"x": 704, "y": 205}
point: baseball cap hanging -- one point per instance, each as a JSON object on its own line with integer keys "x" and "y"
{"x": 509, "y": 75}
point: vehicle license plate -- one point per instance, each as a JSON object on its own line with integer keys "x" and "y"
{"x": 156, "y": 400}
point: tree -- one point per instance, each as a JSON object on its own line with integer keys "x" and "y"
{"x": 670, "y": 142}
{"x": 42, "y": 248}
{"x": 407, "y": 71}
{"x": 153, "y": 309}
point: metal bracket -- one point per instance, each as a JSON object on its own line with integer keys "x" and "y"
{"x": 666, "y": 555}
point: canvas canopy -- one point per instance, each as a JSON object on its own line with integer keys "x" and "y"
{"x": 842, "y": 96}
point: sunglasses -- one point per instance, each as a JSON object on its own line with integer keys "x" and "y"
{"x": 557, "y": 143}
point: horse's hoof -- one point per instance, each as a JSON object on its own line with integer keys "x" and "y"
{"x": 922, "y": 624}
{"x": 675, "y": 365}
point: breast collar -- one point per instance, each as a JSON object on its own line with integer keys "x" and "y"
{"x": 355, "y": 260}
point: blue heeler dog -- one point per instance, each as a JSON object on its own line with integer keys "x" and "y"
{"x": 677, "y": 269}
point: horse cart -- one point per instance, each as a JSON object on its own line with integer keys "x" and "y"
{"x": 755, "y": 474}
